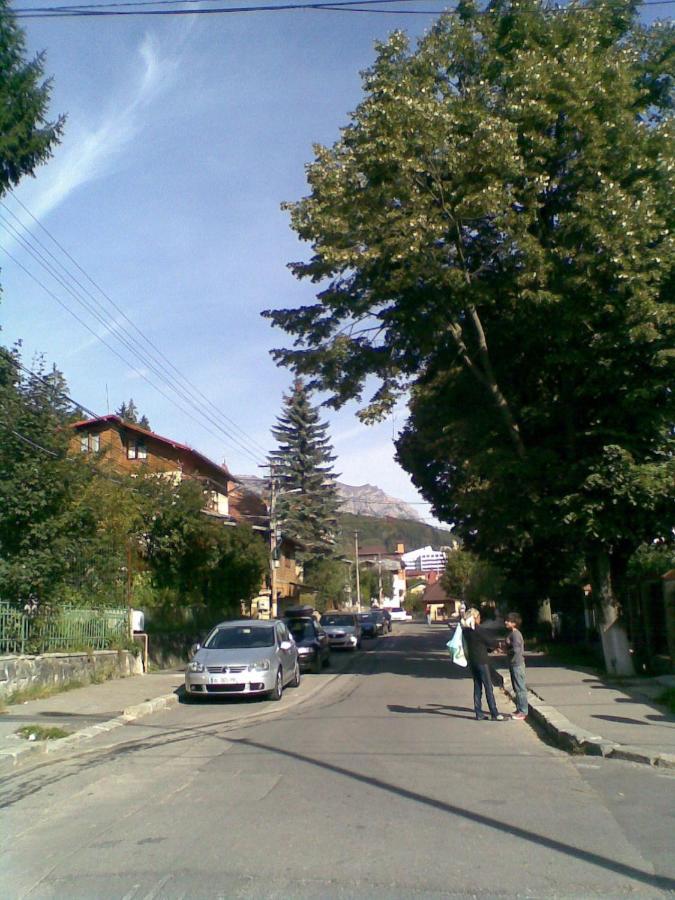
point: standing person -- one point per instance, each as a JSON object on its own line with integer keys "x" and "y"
{"x": 478, "y": 643}
{"x": 515, "y": 649}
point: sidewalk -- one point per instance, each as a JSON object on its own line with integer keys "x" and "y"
{"x": 84, "y": 712}
{"x": 585, "y": 714}
{"x": 577, "y": 709}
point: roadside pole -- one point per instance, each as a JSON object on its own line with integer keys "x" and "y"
{"x": 358, "y": 580}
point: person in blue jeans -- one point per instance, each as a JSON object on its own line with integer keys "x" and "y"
{"x": 515, "y": 650}
{"x": 478, "y": 644}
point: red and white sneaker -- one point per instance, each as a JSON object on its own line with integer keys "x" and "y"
{"x": 520, "y": 716}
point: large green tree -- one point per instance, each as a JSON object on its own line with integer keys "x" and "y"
{"x": 304, "y": 482}
{"x": 40, "y": 527}
{"x": 27, "y": 136}
{"x": 493, "y": 231}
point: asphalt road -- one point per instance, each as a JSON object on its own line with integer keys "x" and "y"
{"x": 381, "y": 784}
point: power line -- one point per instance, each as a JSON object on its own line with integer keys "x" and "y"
{"x": 120, "y": 333}
{"x": 354, "y": 6}
{"x": 111, "y": 348}
{"x": 117, "y": 330}
{"x": 137, "y": 330}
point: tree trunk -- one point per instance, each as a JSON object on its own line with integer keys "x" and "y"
{"x": 615, "y": 645}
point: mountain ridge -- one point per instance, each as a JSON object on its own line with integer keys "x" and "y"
{"x": 358, "y": 500}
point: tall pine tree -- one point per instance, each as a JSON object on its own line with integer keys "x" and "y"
{"x": 307, "y": 503}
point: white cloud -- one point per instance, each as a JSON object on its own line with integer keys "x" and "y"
{"x": 86, "y": 152}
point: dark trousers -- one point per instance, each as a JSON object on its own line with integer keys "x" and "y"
{"x": 483, "y": 682}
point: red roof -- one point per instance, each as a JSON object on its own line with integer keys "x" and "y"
{"x": 197, "y": 457}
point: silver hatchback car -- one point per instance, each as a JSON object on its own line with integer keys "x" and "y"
{"x": 244, "y": 657}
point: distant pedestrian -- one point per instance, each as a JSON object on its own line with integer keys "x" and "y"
{"x": 478, "y": 644}
{"x": 515, "y": 650}
{"x": 427, "y": 613}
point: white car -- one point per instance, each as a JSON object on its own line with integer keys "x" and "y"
{"x": 399, "y": 615}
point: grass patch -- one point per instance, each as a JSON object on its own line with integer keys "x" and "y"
{"x": 42, "y": 732}
{"x": 573, "y": 655}
{"x": 667, "y": 698}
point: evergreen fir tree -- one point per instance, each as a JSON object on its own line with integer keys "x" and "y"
{"x": 128, "y": 412}
{"x": 307, "y": 503}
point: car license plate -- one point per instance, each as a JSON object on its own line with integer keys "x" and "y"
{"x": 223, "y": 679}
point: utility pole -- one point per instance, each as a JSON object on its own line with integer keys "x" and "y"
{"x": 273, "y": 546}
{"x": 358, "y": 580}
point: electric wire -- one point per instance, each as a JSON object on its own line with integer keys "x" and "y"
{"x": 347, "y": 6}
{"x": 112, "y": 349}
{"x": 160, "y": 355}
{"x": 120, "y": 334}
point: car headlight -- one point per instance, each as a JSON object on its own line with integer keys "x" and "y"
{"x": 195, "y": 666}
{"x": 352, "y": 638}
{"x": 261, "y": 666}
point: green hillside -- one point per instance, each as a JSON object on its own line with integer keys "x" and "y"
{"x": 390, "y": 532}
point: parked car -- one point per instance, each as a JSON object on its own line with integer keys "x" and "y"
{"x": 244, "y": 657}
{"x": 343, "y": 629}
{"x": 383, "y": 620}
{"x": 369, "y": 625}
{"x": 399, "y": 615}
{"x": 312, "y": 642}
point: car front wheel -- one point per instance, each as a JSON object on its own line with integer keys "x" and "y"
{"x": 278, "y": 689}
{"x": 295, "y": 682}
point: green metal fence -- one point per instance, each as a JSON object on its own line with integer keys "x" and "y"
{"x": 62, "y": 629}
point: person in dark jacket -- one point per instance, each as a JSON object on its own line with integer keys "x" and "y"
{"x": 478, "y": 643}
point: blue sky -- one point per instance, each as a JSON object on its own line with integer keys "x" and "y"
{"x": 183, "y": 137}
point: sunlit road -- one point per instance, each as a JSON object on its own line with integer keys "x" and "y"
{"x": 380, "y": 785}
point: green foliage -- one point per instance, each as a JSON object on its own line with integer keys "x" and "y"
{"x": 27, "y": 137}
{"x": 129, "y": 413}
{"x": 202, "y": 570}
{"x": 327, "y": 580}
{"x": 40, "y": 528}
{"x": 667, "y": 698}
{"x": 493, "y": 231}
{"x": 307, "y": 502}
{"x": 370, "y": 581}
{"x": 42, "y": 732}
{"x": 475, "y": 581}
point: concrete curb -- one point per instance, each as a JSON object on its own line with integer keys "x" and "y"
{"x": 12, "y": 757}
{"x": 573, "y": 739}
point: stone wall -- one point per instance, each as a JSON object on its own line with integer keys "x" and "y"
{"x": 21, "y": 672}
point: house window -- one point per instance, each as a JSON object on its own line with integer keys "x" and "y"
{"x": 90, "y": 443}
{"x": 136, "y": 449}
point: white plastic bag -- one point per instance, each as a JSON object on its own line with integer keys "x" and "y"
{"x": 456, "y": 648}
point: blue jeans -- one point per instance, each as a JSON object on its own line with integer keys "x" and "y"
{"x": 520, "y": 688}
{"x": 483, "y": 681}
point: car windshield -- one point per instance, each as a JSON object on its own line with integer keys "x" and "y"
{"x": 397, "y": 609}
{"x": 239, "y": 637}
{"x": 366, "y": 617}
{"x": 336, "y": 619}
{"x": 301, "y": 631}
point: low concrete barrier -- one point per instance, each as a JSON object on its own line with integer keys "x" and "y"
{"x": 18, "y": 673}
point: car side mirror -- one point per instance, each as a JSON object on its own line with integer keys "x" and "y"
{"x": 286, "y": 645}
{"x": 195, "y": 648}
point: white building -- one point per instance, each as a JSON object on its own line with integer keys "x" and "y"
{"x": 426, "y": 559}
